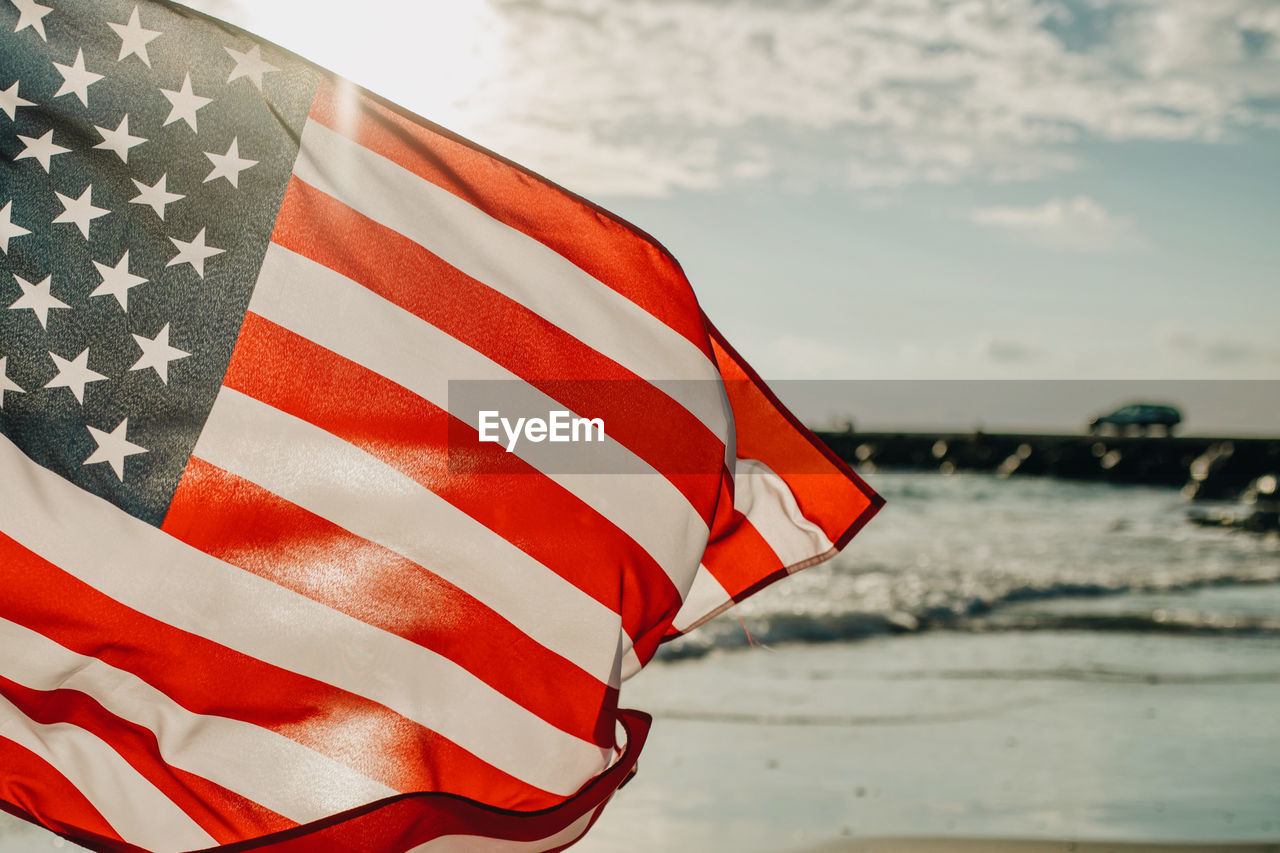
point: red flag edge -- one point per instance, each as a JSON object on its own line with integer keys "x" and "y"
{"x": 405, "y": 821}
{"x": 875, "y": 501}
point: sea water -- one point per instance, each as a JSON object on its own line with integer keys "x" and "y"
{"x": 961, "y": 551}
{"x": 1018, "y": 658}
{"x": 1051, "y": 735}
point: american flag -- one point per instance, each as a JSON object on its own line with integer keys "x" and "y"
{"x": 247, "y": 600}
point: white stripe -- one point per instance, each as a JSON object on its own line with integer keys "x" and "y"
{"x": 508, "y": 261}
{"x": 135, "y": 809}
{"x": 482, "y": 844}
{"x": 767, "y": 502}
{"x": 146, "y": 569}
{"x": 255, "y": 763}
{"x": 362, "y": 494}
{"x": 706, "y": 596}
{"x": 324, "y": 306}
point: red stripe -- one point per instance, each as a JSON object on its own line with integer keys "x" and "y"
{"x": 740, "y": 560}
{"x": 738, "y": 556}
{"x": 223, "y": 814}
{"x": 522, "y": 506}
{"x": 636, "y": 414}
{"x": 402, "y": 823}
{"x": 613, "y": 252}
{"x": 36, "y": 791}
{"x": 208, "y": 678}
{"x": 31, "y": 787}
{"x": 243, "y": 524}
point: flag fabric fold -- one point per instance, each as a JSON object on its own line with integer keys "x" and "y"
{"x": 266, "y": 586}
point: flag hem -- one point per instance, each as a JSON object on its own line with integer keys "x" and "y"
{"x": 480, "y": 817}
{"x": 874, "y": 500}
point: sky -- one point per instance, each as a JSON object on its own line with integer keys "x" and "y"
{"x": 888, "y": 189}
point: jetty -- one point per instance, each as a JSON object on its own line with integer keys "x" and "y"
{"x": 1244, "y": 470}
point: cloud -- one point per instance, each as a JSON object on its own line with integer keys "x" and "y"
{"x": 1077, "y": 224}
{"x": 1005, "y": 350}
{"x": 1220, "y": 349}
{"x": 652, "y": 96}
{"x": 873, "y": 93}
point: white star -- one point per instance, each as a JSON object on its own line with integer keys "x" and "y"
{"x": 38, "y": 298}
{"x": 117, "y": 280}
{"x": 250, "y": 65}
{"x": 193, "y": 253}
{"x": 75, "y": 79}
{"x": 157, "y": 196}
{"x": 119, "y": 140}
{"x": 229, "y": 165}
{"x": 113, "y": 448}
{"x": 184, "y": 103}
{"x": 156, "y": 354}
{"x": 134, "y": 38}
{"x": 9, "y": 100}
{"x": 79, "y": 211}
{"x": 31, "y": 14}
{"x": 7, "y": 385}
{"x": 7, "y": 229}
{"x": 74, "y": 374}
{"x": 42, "y": 149}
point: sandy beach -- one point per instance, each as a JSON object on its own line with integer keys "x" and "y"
{"x": 995, "y": 845}
{"x": 944, "y": 741}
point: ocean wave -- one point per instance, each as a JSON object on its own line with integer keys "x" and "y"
{"x": 1008, "y": 613}
{"x": 973, "y": 552}
{"x": 1159, "y": 621}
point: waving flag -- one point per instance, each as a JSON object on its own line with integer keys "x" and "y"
{"x": 262, "y": 586}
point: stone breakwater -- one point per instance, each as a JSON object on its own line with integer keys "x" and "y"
{"x": 1244, "y": 471}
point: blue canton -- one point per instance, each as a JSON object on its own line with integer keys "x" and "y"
{"x": 144, "y": 153}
